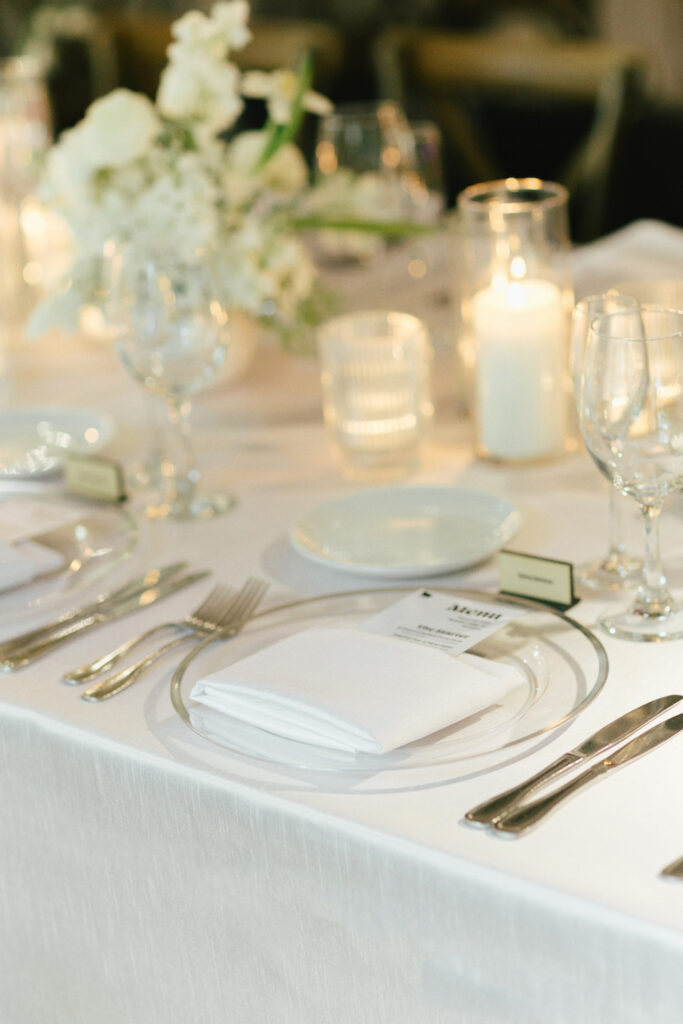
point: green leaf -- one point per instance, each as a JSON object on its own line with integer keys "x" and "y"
{"x": 385, "y": 228}
{"x": 279, "y": 134}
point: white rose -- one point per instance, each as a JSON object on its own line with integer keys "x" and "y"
{"x": 117, "y": 128}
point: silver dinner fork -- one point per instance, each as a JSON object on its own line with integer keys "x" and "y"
{"x": 202, "y": 619}
{"x": 227, "y": 612}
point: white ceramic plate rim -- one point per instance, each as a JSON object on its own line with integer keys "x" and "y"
{"x": 312, "y": 545}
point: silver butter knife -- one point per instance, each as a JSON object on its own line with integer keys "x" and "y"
{"x": 135, "y": 586}
{"x": 523, "y": 818}
{"x": 110, "y": 613}
{"x": 600, "y": 741}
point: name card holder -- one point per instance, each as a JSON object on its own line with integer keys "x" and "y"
{"x": 547, "y": 580}
{"x": 93, "y": 476}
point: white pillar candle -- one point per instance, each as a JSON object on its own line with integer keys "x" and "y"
{"x": 520, "y": 330}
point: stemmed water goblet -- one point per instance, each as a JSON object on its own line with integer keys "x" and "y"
{"x": 631, "y": 413}
{"x": 171, "y": 336}
{"x": 617, "y": 569}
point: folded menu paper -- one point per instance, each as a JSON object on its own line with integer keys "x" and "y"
{"x": 23, "y": 562}
{"x": 353, "y": 690}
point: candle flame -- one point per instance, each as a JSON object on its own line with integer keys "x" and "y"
{"x": 518, "y": 268}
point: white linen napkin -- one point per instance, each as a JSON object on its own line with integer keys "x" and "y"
{"x": 353, "y": 690}
{"x": 23, "y": 562}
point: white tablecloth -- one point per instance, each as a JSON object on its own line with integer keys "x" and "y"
{"x": 147, "y": 877}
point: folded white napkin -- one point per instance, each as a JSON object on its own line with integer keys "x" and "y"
{"x": 20, "y": 563}
{"x": 354, "y": 690}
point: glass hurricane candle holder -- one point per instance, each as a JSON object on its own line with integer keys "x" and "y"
{"x": 516, "y": 301}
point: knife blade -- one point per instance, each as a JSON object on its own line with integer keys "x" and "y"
{"x": 149, "y": 596}
{"x": 488, "y": 812}
{"x": 129, "y": 589}
{"x": 524, "y": 817}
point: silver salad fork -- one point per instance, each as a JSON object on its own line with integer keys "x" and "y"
{"x": 228, "y": 612}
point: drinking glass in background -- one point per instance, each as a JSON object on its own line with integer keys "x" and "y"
{"x": 631, "y": 411}
{"x": 171, "y": 335}
{"x": 373, "y": 166}
{"x": 375, "y": 374}
{"x": 617, "y": 569}
{"x": 25, "y": 136}
{"x": 25, "y": 125}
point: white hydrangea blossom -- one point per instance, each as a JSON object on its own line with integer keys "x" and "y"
{"x": 162, "y": 174}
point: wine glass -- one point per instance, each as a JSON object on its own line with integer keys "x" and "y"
{"x": 617, "y": 569}
{"x": 373, "y": 165}
{"x": 631, "y": 412}
{"x": 171, "y": 336}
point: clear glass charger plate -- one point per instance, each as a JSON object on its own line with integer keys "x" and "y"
{"x": 94, "y": 540}
{"x": 563, "y": 664}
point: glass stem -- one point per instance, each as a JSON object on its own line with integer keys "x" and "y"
{"x": 182, "y": 480}
{"x": 653, "y": 597}
{"x": 616, "y": 539}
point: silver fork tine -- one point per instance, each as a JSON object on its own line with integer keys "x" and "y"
{"x": 235, "y": 614}
{"x": 218, "y": 595}
{"x": 251, "y": 598}
{"x": 247, "y": 598}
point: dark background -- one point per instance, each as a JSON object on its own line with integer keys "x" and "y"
{"x": 647, "y": 171}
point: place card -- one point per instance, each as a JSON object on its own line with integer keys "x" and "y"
{"x": 542, "y": 579}
{"x": 453, "y": 624}
{"x": 94, "y": 476}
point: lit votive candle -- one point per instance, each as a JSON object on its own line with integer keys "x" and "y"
{"x": 520, "y": 329}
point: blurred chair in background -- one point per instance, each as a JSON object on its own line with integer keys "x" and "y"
{"x": 520, "y": 106}
{"x": 141, "y": 38}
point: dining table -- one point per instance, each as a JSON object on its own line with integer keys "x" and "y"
{"x": 150, "y": 875}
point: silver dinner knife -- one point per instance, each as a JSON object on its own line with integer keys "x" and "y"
{"x": 150, "y": 578}
{"x": 599, "y": 742}
{"x": 110, "y": 613}
{"x": 523, "y": 818}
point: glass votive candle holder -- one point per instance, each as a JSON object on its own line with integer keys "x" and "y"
{"x": 376, "y": 384}
{"x": 516, "y": 302}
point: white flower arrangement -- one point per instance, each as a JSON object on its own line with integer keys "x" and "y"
{"x": 169, "y": 173}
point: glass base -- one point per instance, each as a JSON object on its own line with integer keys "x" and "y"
{"x": 199, "y": 506}
{"x": 630, "y": 625}
{"x": 616, "y": 572}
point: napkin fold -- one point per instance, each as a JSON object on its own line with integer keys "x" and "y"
{"x": 23, "y": 562}
{"x": 352, "y": 690}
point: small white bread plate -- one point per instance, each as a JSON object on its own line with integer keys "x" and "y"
{"x": 33, "y": 442}
{"x": 404, "y": 532}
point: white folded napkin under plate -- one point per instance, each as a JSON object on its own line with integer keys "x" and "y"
{"x": 21, "y": 563}
{"x": 353, "y": 690}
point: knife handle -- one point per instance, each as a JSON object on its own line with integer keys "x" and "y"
{"x": 491, "y": 810}
{"x": 31, "y": 652}
{"x": 525, "y": 817}
{"x": 15, "y": 645}
{"x": 11, "y": 648}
